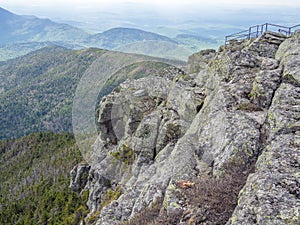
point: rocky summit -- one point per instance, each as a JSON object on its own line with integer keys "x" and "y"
{"x": 232, "y": 117}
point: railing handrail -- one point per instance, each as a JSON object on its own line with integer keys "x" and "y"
{"x": 276, "y": 25}
{"x": 259, "y": 30}
{"x": 298, "y": 25}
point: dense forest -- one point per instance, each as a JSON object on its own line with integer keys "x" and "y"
{"x": 34, "y": 180}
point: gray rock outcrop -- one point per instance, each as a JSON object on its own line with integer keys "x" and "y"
{"x": 240, "y": 104}
{"x": 271, "y": 194}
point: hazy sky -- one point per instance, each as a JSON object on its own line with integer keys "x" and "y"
{"x": 58, "y": 2}
{"x": 98, "y": 15}
{"x": 169, "y": 3}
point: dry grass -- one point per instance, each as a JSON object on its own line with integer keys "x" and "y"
{"x": 210, "y": 201}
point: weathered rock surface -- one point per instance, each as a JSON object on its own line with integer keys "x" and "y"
{"x": 271, "y": 194}
{"x": 79, "y": 176}
{"x": 241, "y": 105}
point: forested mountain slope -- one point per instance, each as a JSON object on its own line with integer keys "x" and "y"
{"x": 37, "y": 90}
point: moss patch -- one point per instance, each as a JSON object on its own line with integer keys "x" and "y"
{"x": 125, "y": 154}
{"x": 183, "y": 77}
{"x": 93, "y": 217}
{"x": 248, "y": 107}
{"x": 288, "y": 78}
{"x": 255, "y": 93}
{"x": 110, "y": 196}
{"x": 173, "y": 131}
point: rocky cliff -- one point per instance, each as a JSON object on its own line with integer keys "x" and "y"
{"x": 233, "y": 117}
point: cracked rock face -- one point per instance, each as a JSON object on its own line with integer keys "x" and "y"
{"x": 239, "y": 104}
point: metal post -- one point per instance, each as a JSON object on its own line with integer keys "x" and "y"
{"x": 249, "y": 35}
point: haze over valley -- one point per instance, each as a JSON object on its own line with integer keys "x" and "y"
{"x": 179, "y": 27}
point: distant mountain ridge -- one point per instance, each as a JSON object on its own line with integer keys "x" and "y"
{"x": 16, "y": 28}
{"x": 22, "y": 34}
{"x": 122, "y": 36}
{"x": 19, "y": 28}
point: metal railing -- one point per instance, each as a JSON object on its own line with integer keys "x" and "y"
{"x": 258, "y": 30}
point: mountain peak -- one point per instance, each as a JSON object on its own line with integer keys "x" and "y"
{"x": 120, "y": 36}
